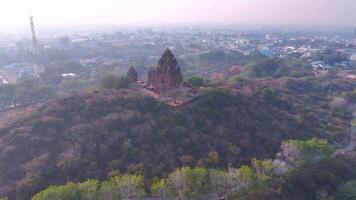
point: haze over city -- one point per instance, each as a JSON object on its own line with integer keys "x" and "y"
{"x": 177, "y": 99}
{"x": 14, "y": 13}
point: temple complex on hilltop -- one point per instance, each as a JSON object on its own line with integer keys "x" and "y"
{"x": 165, "y": 82}
{"x": 167, "y": 75}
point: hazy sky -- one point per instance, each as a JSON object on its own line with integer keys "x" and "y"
{"x": 60, "y": 12}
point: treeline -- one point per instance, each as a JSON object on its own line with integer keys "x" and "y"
{"x": 50, "y": 83}
{"x": 113, "y": 81}
{"x": 272, "y": 67}
{"x": 24, "y": 93}
{"x": 264, "y": 179}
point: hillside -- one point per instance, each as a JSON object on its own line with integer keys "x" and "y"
{"x": 99, "y": 134}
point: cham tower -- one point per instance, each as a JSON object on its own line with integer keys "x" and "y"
{"x": 132, "y": 74}
{"x": 167, "y": 75}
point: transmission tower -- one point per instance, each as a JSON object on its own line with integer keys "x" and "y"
{"x": 354, "y": 37}
{"x": 36, "y": 48}
{"x": 34, "y": 37}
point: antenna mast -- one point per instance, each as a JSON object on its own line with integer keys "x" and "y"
{"x": 36, "y": 48}
{"x": 34, "y": 37}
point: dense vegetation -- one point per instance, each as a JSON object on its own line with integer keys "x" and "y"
{"x": 269, "y": 67}
{"x": 196, "y": 81}
{"x": 101, "y": 134}
{"x": 53, "y": 82}
{"x": 331, "y": 57}
{"x": 24, "y": 93}
{"x": 115, "y": 82}
{"x": 302, "y": 170}
{"x": 52, "y": 74}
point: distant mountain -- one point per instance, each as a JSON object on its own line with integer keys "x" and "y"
{"x": 98, "y": 134}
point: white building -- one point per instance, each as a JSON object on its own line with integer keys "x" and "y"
{"x": 28, "y": 72}
{"x": 353, "y": 58}
{"x": 3, "y": 81}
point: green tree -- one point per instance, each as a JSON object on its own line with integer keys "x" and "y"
{"x": 115, "y": 82}
{"x": 239, "y": 79}
{"x": 89, "y": 189}
{"x": 159, "y": 188}
{"x": 268, "y": 93}
{"x": 108, "y": 191}
{"x": 65, "y": 192}
{"x": 229, "y": 184}
{"x": 346, "y": 191}
{"x": 296, "y": 152}
{"x": 218, "y": 182}
{"x": 108, "y": 82}
{"x": 263, "y": 68}
{"x": 196, "y": 81}
{"x": 122, "y": 82}
{"x": 125, "y": 187}
{"x": 188, "y": 182}
{"x": 263, "y": 167}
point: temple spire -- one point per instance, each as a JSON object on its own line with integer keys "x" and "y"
{"x": 132, "y": 74}
{"x": 167, "y": 74}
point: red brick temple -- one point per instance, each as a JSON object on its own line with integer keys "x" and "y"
{"x": 167, "y": 75}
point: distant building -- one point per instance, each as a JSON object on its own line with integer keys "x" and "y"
{"x": 80, "y": 39}
{"x": 18, "y": 66}
{"x": 167, "y": 74}
{"x": 343, "y": 65}
{"x": 320, "y": 65}
{"x": 29, "y": 72}
{"x": 3, "y": 81}
{"x": 266, "y": 51}
{"x": 353, "y": 58}
{"x": 86, "y": 62}
{"x": 69, "y": 76}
